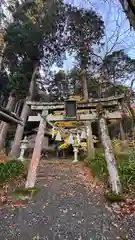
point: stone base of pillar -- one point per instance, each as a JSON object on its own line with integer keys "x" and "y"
{"x": 21, "y": 159}
{"x": 75, "y": 150}
{"x": 75, "y": 161}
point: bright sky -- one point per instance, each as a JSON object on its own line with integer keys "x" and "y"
{"x": 118, "y": 32}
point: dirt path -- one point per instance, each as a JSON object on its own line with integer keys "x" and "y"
{"x": 67, "y": 207}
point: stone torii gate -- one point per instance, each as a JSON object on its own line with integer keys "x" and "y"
{"x": 112, "y": 108}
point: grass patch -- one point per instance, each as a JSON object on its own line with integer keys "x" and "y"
{"x": 112, "y": 197}
{"x": 98, "y": 165}
{"x": 124, "y": 237}
{"x": 11, "y": 169}
{"x": 126, "y": 169}
{"x": 125, "y": 165}
{"x": 24, "y": 194}
{"x": 26, "y": 191}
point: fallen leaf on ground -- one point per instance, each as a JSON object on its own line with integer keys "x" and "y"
{"x": 68, "y": 194}
{"x": 18, "y": 204}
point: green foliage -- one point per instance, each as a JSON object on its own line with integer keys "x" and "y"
{"x": 112, "y": 197}
{"x": 98, "y": 165}
{"x": 8, "y": 141}
{"x": 125, "y": 165}
{"x": 132, "y": 154}
{"x": 116, "y": 143}
{"x": 126, "y": 168}
{"x": 116, "y": 68}
{"x": 86, "y": 28}
{"x": 25, "y": 194}
{"x": 124, "y": 236}
{"x": 59, "y": 86}
{"x": 21, "y": 38}
{"x": 4, "y": 83}
{"x": 74, "y": 79}
{"x": 118, "y": 65}
{"x": 36, "y": 31}
{"x": 82, "y": 156}
{"x": 43, "y": 32}
{"x": 26, "y": 191}
{"x": 11, "y": 169}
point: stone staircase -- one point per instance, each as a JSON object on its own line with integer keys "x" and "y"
{"x": 42, "y": 176}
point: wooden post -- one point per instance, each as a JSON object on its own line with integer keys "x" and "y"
{"x": 90, "y": 144}
{"x": 31, "y": 179}
{"x": 108, "y": 150}
{"x": 122, "y": 133}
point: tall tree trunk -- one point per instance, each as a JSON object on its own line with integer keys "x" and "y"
{"x": 1, "y": 56}
{"x": 90, "y": 144}
{"x": 4, "y": 126}
{"x": 128, "y": 98}
{"x": 108, "y": 150}
{"x": 15, "y": 151}
{"x": 84, "y": 85}
{"x": 31, "y": 179}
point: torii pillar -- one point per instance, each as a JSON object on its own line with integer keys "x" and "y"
{"x": 90, "y": 144}
{"x": 31, "y": 178}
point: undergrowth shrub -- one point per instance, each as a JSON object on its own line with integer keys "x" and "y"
{"x": 98, "y": 165}
{"x": 131, "y": 154}
{"x": 11, "y": 169}
{"x": 82, "y": 156}
{"x": 113, "y": 197}
{"x": 116, "y": 143}
{"x": 126, "y": 169}
{"x": 125, "y": 165}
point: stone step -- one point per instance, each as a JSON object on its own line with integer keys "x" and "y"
{"x": 42, "y": 176}
{"x": 55, "y": 162}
